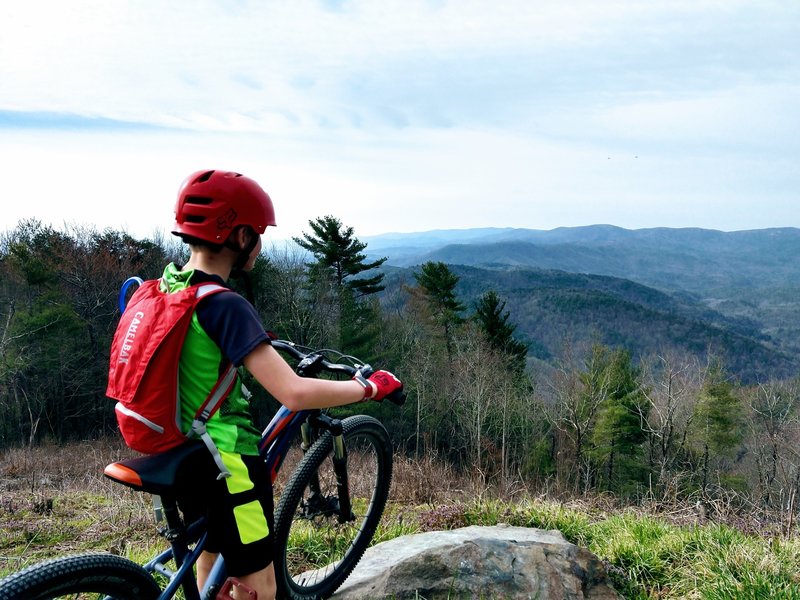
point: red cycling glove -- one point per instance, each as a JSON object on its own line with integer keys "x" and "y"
{"x": 378, "y": 385}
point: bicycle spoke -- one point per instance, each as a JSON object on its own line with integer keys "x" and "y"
{"x": 321, "y": 540}
{"x": 320, "y": 549}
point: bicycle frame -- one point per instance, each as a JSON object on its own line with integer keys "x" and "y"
{"x": 312, "y": 493}
{"x": 275, "y": 443}
{"x": 273, "y": 448}
{"x": 184, "y": 576}
{"x": 307, "y": 496}
{"x": 278, "y": 435}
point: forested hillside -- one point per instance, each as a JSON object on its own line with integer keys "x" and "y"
{"x": 571, "y": 382}
{"x": 556, "y": 309}
{"x": 694, "y": 260}
{"x": 749, "y": 275}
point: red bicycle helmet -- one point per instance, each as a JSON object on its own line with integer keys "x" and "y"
{"x": 212, "y": 203}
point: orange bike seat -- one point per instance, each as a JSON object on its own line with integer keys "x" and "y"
{"x": 159, "y": 473}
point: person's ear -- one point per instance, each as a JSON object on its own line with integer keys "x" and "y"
{"x": 242, "y": 237}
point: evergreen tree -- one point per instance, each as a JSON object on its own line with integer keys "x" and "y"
{"x": 438, "y": 283}
{"x": 339, "y": 256}
{"x": 335, "y": 286}
{"x": 620, "y": 431}
{"x": 493, "y": 319}
{"x": 717, "y": 421}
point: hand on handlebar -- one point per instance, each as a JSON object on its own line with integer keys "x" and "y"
{"x": 379, "y": 384}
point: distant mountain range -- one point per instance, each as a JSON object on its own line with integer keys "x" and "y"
{"x": 737, "y": 293}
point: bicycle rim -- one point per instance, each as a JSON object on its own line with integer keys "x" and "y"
{"x": 314, "y": 551}
{"x": 83, "y": 577}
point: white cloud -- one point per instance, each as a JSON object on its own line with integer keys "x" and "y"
{"x": 159, "y": 61}
{"x": 764, "y": 117}
{"x": 410, "y": 115}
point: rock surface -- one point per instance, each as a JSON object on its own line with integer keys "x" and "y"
{"x": 479, "y": 562}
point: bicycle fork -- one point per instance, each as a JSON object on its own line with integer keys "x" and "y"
{"x": 344, "y": 509}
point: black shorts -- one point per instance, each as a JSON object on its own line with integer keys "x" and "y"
{"x": 239, "y": 511}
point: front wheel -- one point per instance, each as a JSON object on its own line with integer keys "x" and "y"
{"x": 81, "y": 577}
{"x": 314, "y": 550}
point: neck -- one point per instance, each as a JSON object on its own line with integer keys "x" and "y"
{"x": 212, "y": 263}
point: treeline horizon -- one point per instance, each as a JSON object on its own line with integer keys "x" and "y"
{"x": 592, "y": 420}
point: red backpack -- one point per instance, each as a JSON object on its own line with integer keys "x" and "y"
{"x": 143, "y": 371}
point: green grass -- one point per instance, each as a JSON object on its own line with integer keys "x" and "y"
{"x": 313, "y": 545}
{"x": 647, "y": 557}
{"x": 650, "y": 558}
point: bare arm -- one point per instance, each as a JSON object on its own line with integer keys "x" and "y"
{"x": 295, "y": 392}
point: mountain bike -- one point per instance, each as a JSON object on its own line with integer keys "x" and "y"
{"x": 328, "y": 512}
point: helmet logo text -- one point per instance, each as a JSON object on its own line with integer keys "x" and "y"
{"x": 227, "y": 220}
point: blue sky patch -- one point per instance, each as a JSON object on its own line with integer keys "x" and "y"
{"x": 12, "y": 119}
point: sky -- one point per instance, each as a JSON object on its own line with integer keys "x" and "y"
{"x": 405, "y": 116}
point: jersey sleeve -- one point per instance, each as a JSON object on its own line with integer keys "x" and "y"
{"x": 233, "y": 324}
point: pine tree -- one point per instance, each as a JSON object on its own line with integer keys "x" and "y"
{"x": 717, "y": 421}
{"x": 438, "y": 283}
{"x": 339, "y": 256}
{"x": 336, "y": 289}
{"x": 619, "y": 430}
{"x": 493, "y": 319}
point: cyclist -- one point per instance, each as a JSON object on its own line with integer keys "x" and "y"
{"x": 221, "y": 216}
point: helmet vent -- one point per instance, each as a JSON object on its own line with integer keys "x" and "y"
{"x": 194, "y": 219}
{"x": 204, "y": 177}
{"x": 199, "y": 200}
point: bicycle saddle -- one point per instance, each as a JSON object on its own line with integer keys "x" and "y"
{"x": 158, "y": 473}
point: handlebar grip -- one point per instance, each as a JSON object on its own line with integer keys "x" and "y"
{"x": 397, "y": 397}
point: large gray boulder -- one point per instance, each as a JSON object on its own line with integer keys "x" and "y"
{"x": 479, "y": 562}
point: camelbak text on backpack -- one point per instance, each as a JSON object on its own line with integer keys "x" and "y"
{"x": 143, "y": 371}
{"x": 127, "y": 341}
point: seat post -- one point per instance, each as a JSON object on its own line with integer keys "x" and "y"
{"x": 158, "y": 509}
{"x": 174, "y": 530}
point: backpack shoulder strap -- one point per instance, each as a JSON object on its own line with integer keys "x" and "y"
{"x": 218, "y": 394}
{"x": 226, "y": 380}
{"x": 203, "y": 290}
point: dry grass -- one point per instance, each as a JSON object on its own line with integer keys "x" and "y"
{"x": 428, "y": 482}
{"x": 57, "y": 468}
{"x": 55, "y": 500}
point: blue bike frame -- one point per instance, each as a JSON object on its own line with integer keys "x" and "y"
{"x": 273, "y": 447}
{"x": 275, "y": 443}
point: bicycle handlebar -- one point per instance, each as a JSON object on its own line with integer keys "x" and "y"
{"x": 311, "y": 362}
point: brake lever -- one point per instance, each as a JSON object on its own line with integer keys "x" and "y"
{"x": 366, "y": 371}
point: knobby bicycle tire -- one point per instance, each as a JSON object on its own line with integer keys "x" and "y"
{"x": 81, "y": 577}
{"x": 314, "y": 553}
